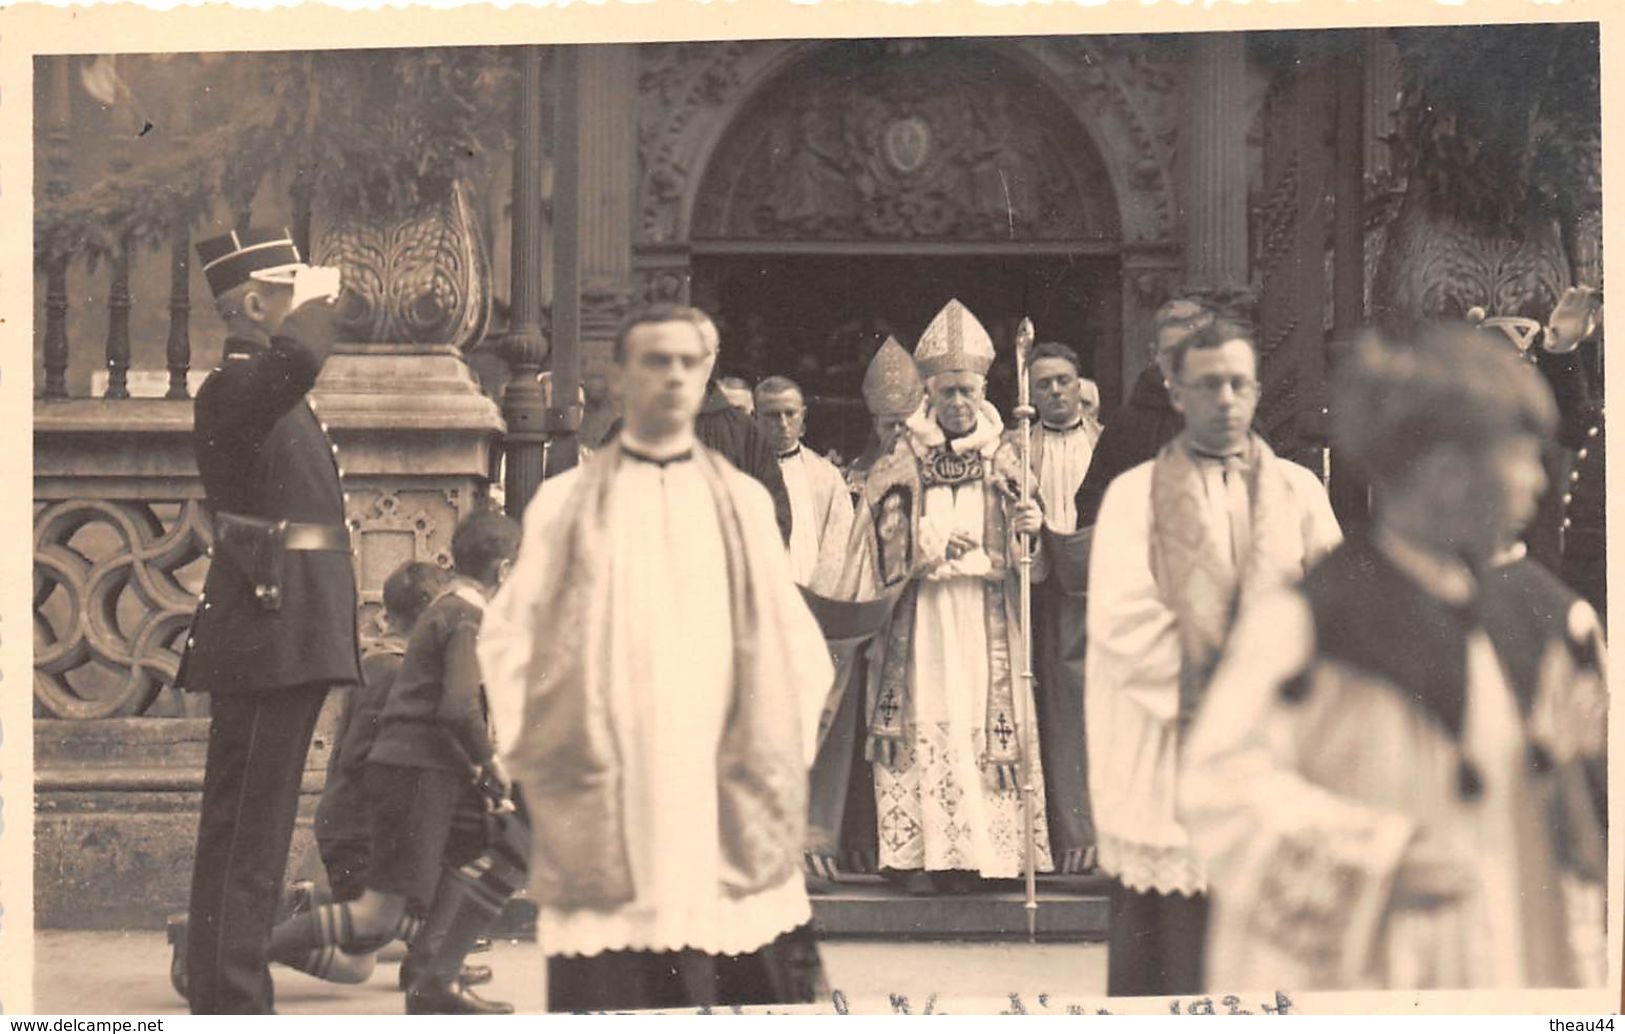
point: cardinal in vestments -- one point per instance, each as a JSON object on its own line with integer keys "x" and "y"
{"x": 1063, "y": 443}
{"x": 948, "y": 720}
{"x": 1397, "y": 778}
{"x": 664, "y": 675}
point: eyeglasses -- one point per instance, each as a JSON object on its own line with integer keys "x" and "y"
{"x": 1241, "y": 387}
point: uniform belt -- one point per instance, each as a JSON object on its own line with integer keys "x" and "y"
{"x": 316, "y": 538}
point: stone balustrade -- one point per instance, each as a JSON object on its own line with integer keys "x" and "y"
{"x": 120, "y": 540}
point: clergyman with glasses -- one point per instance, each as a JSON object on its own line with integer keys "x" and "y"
{"x": 1182, "y": 542}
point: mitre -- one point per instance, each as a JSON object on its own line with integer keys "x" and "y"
{"x": 892, "y": 387}
{"x": 955, "y": 342}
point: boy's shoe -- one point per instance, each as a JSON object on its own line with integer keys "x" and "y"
{"x": 452, "y": 1000}
{"x": 471, "y": 976}
{"x": 175, "y": 931}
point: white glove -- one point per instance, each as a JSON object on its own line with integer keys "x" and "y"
{"x": 316, "y": 283}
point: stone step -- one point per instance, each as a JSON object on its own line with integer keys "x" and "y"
{"x": 1070, "y": 909}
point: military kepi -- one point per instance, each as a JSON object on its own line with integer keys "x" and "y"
{"x": 234, "y": 258}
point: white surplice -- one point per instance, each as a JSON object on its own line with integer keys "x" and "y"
{"x": 1061, "y": 459}
{"x": 821, "y": 518}
{"x": 1323, "y": 796}
{"x": 1132, "y": 670}
{"x": 671, "y": 679}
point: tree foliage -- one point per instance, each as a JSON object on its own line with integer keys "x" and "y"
{"x": 1501, "y": 123}
{"x": 360, "y": 132}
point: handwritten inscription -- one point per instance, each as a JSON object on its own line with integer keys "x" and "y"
{"x": 1011, "y": 1005}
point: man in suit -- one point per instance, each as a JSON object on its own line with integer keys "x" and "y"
{"x": 276, "y": 622}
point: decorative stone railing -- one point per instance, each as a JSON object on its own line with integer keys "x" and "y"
{"x": 120, "y": 534}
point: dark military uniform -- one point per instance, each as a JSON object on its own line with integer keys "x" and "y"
{"x": 1568, "y": 532}
{"x": 262, "y": 454}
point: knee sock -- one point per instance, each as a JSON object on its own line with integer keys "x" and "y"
{"x": 467, "y": 901}
{"x": 332, "y": 964}
{"x": 331, "y": 926}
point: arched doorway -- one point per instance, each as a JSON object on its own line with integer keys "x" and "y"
{"x": 867, "y": 183}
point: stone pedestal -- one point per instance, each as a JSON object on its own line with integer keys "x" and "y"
{"x": 118, "y": 754}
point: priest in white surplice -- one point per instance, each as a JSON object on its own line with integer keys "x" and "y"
{"x": 1063, "y": 443}
{"x": 948, "y": 713}
{"x": 820, "y": 507}
{"x": 664, "y": 677}
{"x": 1182, "y": 540}
{"x": 1398, "y": 777}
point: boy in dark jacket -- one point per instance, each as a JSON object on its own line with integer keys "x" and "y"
{"x": 435, "y": 878}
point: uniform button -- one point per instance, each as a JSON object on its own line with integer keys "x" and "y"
{"x": 206, "y": 606}
{"x": 333, "y": 448}
{"x": 1568, "y": 497}
{"x": 1582, "y": 454}
{"x": 1567, "y": 523}
{"x": 1592, "y": 432}
{"x": 209, "y": 552}
{"x": 1574, "y": 476}
{"x": 190, "y": 641}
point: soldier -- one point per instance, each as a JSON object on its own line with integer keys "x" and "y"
{"x": 276, "y": 623}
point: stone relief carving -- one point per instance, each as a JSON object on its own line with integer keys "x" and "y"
{"x": 421, "y": 279}
{"x": 677, "y": 82}
{"x": 1124, "y": 88}
{"x": 112, "y": 597}
{"x": 1435, "y": 266}
{"x": 924, "y": 146}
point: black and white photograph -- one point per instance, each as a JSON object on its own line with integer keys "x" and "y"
{"x": 953, "y": 523}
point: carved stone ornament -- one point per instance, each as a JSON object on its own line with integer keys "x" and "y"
{"x": 421, "y": 279}
{"x": 1435, "y": 266}
{"x": 849, "y": 146}
{"x": 111, "y": 603}
{"x": 1042, "y": 138}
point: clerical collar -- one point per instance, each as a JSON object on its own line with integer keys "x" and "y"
{"x": 792, "y": 454}
{"x": 1199, "y": 453}
{"x": 1068, "y": 429}
{"x": 659, "y": 455}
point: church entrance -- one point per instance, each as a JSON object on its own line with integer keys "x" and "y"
{"x": 868, "y": 183}
{"x": 820, "y": 318}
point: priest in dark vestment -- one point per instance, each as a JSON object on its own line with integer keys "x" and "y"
{"x": 1396, "y": 779}
{"x": 1148, "y": 420}
{"x": 1062, "y": 448}
{"x": 661, "y": 676}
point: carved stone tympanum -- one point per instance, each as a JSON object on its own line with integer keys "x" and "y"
{"x": 860, "y": 144}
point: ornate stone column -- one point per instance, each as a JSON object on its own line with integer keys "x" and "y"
{"x": 608, "y": 98}
{"x": 1215, "y": 145}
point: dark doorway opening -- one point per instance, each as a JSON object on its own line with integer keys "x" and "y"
{"x": 820, "y": 318}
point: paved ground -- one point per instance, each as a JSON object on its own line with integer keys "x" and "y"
{"x": 128, "y": 973}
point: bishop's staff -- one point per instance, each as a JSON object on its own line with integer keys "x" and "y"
{"x": 1024, "y": 414}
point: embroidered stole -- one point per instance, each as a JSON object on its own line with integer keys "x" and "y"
{"x": 894, "y": 504}
{"x": 1204, "y": 592}
{"x": 570, "y": 755}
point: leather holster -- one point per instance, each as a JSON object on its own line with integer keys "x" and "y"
{"x": 254, "y": 546}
